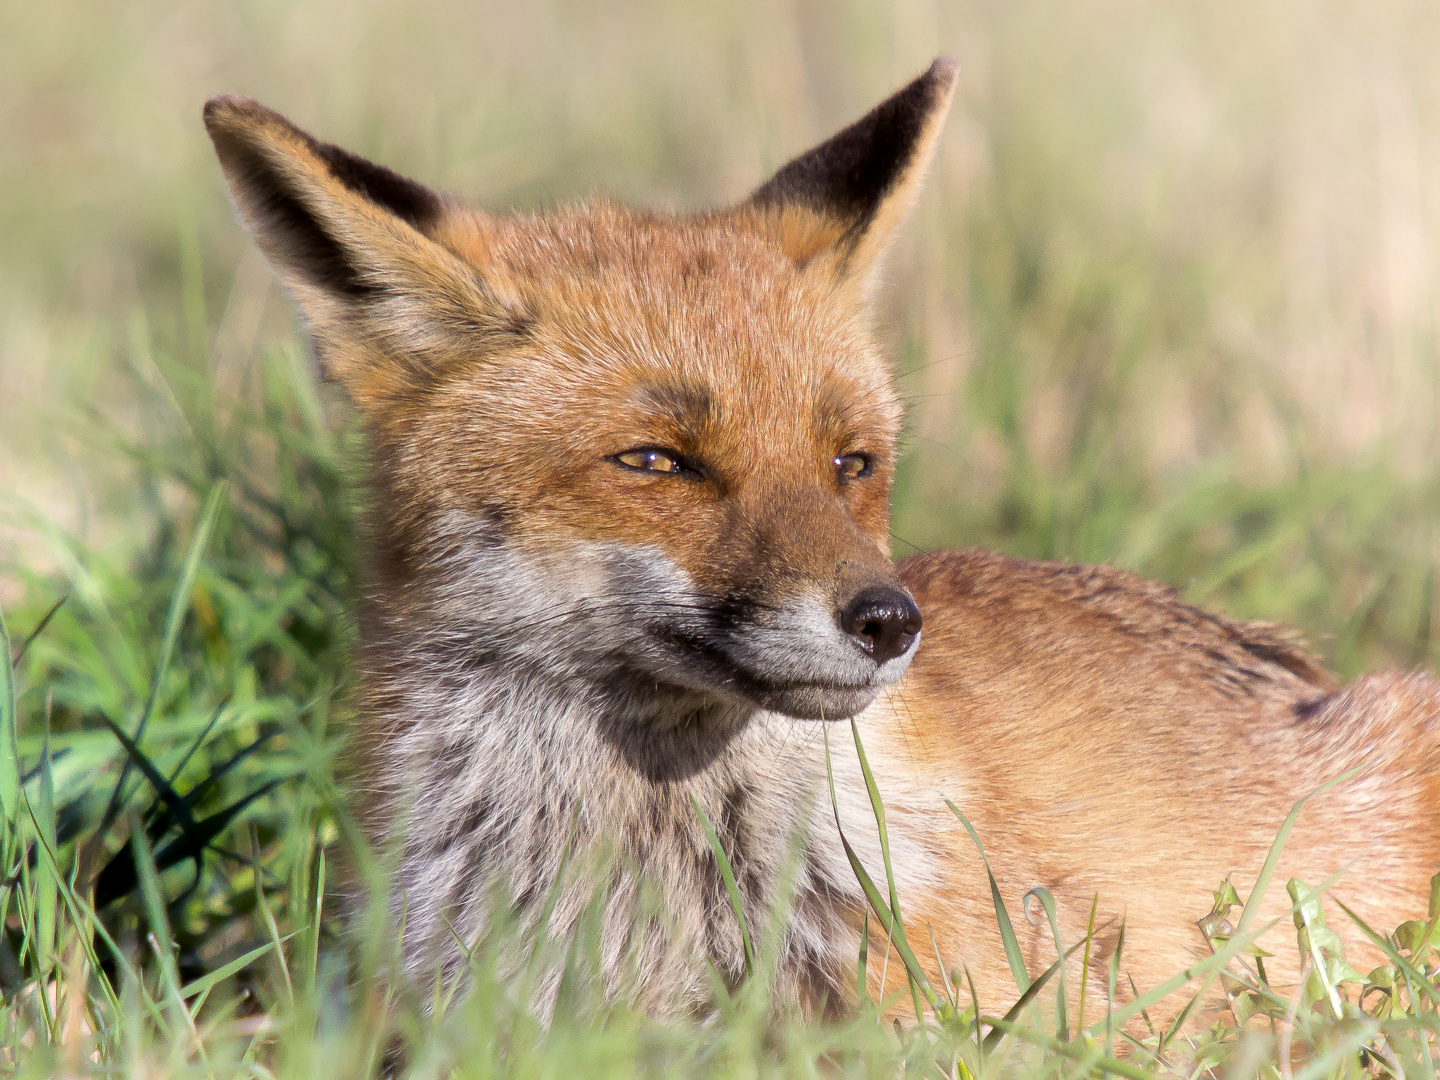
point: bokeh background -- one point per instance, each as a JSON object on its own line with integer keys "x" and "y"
{"x": 1170, "y": 299}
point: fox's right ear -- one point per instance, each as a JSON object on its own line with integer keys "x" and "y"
{"x": 354, "y": 242}
{"x": 837, "y": 206}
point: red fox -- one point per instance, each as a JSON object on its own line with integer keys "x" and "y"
{"x": 628, "y": 555}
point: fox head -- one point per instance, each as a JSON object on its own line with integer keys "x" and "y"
{"x": 650, "y": 453}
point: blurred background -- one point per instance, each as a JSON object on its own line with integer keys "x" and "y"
{"x": 1170, "y": 299}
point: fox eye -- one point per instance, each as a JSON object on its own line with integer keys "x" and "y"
{"x": 854, "y": 466}
{"x": 648, "y": 459}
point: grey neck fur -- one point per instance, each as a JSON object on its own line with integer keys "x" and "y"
{"x": 502, "y": 738}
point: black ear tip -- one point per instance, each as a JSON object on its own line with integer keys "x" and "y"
{"x": 927, "y": 97}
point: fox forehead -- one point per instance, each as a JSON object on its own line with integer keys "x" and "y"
{"x": 683, "y": 329}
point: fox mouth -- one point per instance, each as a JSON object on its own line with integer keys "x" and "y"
{"x": 803, "y": 699}
{"x": 809, "y": 700}
{"x": 815, "y": 701}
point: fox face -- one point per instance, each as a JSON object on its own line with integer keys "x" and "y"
{"x": 710, "y": 530}
{"x": 653, "y": 454}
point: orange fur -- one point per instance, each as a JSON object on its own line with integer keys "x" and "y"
{"x": 1108, "y": 740}
{"x": 554, "y": 631}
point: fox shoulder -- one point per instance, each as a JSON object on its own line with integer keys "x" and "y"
{"x": 975, "y": 600}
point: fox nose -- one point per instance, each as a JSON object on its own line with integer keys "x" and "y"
{"x": 883, "y": 621}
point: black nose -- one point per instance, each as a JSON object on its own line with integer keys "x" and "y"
{"x": 884, "y": 622}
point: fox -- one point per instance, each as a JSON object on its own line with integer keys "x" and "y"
{"x": 629, "y": 585}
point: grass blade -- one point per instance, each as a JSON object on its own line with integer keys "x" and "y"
{"x": 1383, "y": 944}
{"x": 1047, "y": 901}
{"x": 211, "y": 979}
{"x": 263, "y": 905}
{"x": 728, "y": 874}
{"x": 1272, "y": 859}
{"x": 993, "y": 1039}
{"x": 1002, "y": 917}
{"x": 975, "y": 1006}
{"x": 862, "y": 985}
{"x": 894, "y": 928}
{"x": 9, "y": 743}
{"x": 1085, "y": 961}
{"x": 1113, "y": 974}
{"x": 312, "y": 967}
{"x": 39, "y": 628}
{"x": 155, "y": 911}
{"x": 174, "y": 620}
{"x": 877, "y": 805}
{"x": 918, "y": 982}
{"x": 47, "y": 881}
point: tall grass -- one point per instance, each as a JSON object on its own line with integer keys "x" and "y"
{"x": 119, "y": 957}
{"x": 1169, "y": 302}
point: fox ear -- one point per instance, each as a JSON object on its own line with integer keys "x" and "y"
{"x": 355, "y": 243}
{"x": 841, "y": 202}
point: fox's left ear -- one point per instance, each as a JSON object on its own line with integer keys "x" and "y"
{"x": 839, "y": 204}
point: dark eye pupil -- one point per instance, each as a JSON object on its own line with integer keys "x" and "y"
{"x": 852, "y": 466}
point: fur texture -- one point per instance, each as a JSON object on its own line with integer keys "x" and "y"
{"x": 629, "y": 523}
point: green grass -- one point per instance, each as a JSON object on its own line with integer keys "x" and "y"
{"x": 231, "y": 640}
{"x": 1168, "y": 303}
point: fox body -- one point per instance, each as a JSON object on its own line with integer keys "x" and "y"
{"x": 629, "y": 557}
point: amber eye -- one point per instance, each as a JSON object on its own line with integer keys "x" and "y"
{"x": 854, "y": 466}
{"x": 648, "y": 459}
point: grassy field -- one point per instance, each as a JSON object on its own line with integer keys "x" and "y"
{"x": 1170, "y": 302}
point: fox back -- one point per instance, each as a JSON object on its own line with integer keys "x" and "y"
{"x": 629, "y": 560}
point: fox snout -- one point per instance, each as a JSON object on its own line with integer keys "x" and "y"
{"x": 812, "y": 648}
{"x": 807, "y": 616}
{"x": 805, "y": 659}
